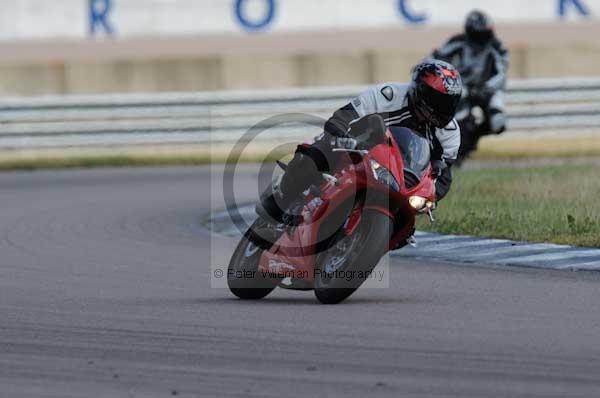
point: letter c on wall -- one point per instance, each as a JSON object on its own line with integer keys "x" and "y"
{"x": 254, "y": 25}
{"x": 410, "y": 16}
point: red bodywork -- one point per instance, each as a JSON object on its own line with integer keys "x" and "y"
{"x": 294, "y": 253}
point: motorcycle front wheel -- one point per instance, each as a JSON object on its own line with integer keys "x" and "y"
{"x": 243, "y": 276}
{"x": 345, "y": 265}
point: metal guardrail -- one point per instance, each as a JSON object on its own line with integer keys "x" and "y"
{"x": 211, "y": 117}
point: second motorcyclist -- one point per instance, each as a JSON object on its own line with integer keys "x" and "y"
{"x": 482, "y": 61}
{"x": 426, "y": 105}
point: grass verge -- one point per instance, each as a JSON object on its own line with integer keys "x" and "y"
{"x": 503, "y": 147}
{"x": 520, "y": 146}
{"x": 555, "y": 204}
{"x": 98, "y": 161}
{"x": 126, "y": 160}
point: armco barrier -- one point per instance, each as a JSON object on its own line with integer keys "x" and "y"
{"x": 27, "y": 123}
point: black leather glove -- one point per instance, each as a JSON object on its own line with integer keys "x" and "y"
{"x": 438, "y": 167}
{"x": 345, "y": 142}
{"x": 443, "y": 183}
{"x": 485, "y": 94}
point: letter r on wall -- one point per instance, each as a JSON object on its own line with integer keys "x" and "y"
{"x": 579, "y": 5}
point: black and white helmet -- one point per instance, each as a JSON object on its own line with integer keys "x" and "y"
{"x": 434, "y": 92}
{"x": 479, "y": 27}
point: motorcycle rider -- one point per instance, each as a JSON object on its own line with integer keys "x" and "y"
{"x": 426, "y": 105}
{"x": 482, "y": 61}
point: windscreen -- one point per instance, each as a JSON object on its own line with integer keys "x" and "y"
{"x": 415, "y": 149}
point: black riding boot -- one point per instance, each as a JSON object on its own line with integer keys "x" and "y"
{"x": 300, "y": 174}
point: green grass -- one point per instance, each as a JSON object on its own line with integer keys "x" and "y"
{"x": 532, "y": 147}
{"x": 556, "y": 204}
{"x": 97, "y": 161}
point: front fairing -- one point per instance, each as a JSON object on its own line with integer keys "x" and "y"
{"x": 402, "y": 213}
{"x": 402, "y": 166}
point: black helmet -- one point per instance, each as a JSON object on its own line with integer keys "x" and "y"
{"x": 434, "y": 92}
{"x": 479, "y": 27}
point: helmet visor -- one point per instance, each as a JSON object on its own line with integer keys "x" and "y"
{"x": 438, "y": 107}
{"x": 480, "y": 36}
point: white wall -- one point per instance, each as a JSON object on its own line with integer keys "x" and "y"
{"x": 38, "y": 19}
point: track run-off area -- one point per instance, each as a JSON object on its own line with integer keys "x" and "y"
{"x": 105, "y": 291}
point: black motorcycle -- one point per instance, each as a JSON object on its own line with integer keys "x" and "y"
{"x": 471, "y": 115}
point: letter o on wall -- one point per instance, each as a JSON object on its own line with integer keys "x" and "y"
{"x": 258, "y": 24}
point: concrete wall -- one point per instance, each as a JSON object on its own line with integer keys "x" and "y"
{"x": 79, "y": 19}
{"x": 337, "y": 58}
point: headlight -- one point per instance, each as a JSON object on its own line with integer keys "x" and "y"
{"x": 384, "y": 176}
{"x": 419, "y": 203}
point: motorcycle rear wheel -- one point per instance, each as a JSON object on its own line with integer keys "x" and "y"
{"x": 243, "y": 276}
{"x": 355, "y": 256}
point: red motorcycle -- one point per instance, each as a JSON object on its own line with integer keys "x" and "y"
{"x": 344, "y": 226}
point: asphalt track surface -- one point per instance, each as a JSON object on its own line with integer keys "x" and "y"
{"x": 105, "y": 292}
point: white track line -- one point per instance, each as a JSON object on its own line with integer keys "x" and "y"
{"x": 592, "y": 266}
{"x": 502, "y": 252}
{"x": 466, "y": 245}
{"x": 554, "y": 256}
